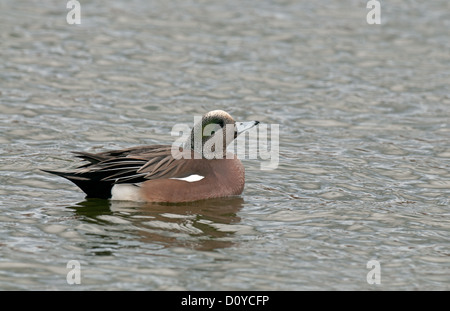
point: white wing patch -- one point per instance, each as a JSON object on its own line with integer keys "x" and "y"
{"x": 191, "y": 178}
{"x": 126, "y": 192}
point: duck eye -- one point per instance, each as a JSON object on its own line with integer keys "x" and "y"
{"x": 211, "y": 129}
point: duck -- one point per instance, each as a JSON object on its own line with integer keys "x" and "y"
{"x": 200, "y": 168}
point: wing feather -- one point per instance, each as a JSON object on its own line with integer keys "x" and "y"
{"x": 134, "y": 164}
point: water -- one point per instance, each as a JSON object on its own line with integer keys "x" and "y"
{"x": 364, "y": 168}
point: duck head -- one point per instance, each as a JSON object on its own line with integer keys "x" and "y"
{"x": 216, "y": 130}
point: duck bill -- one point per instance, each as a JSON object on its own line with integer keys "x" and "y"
{"x": 241, "y": 127}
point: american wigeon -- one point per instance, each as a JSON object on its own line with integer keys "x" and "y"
{"x": 200, "y": 169}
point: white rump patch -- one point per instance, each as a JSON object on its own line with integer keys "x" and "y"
{"x": 126, "y": 192}
{"x": 191, "y": 178}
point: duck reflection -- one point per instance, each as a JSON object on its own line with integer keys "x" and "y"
{"x": 202, "y": 225}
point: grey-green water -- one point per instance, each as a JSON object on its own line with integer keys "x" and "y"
{"x": 364, "y": 168}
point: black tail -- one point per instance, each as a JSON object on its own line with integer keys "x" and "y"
{"x": 93, "y": 186}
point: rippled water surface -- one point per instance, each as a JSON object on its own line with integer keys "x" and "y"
{"x": 364, "y": 163}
